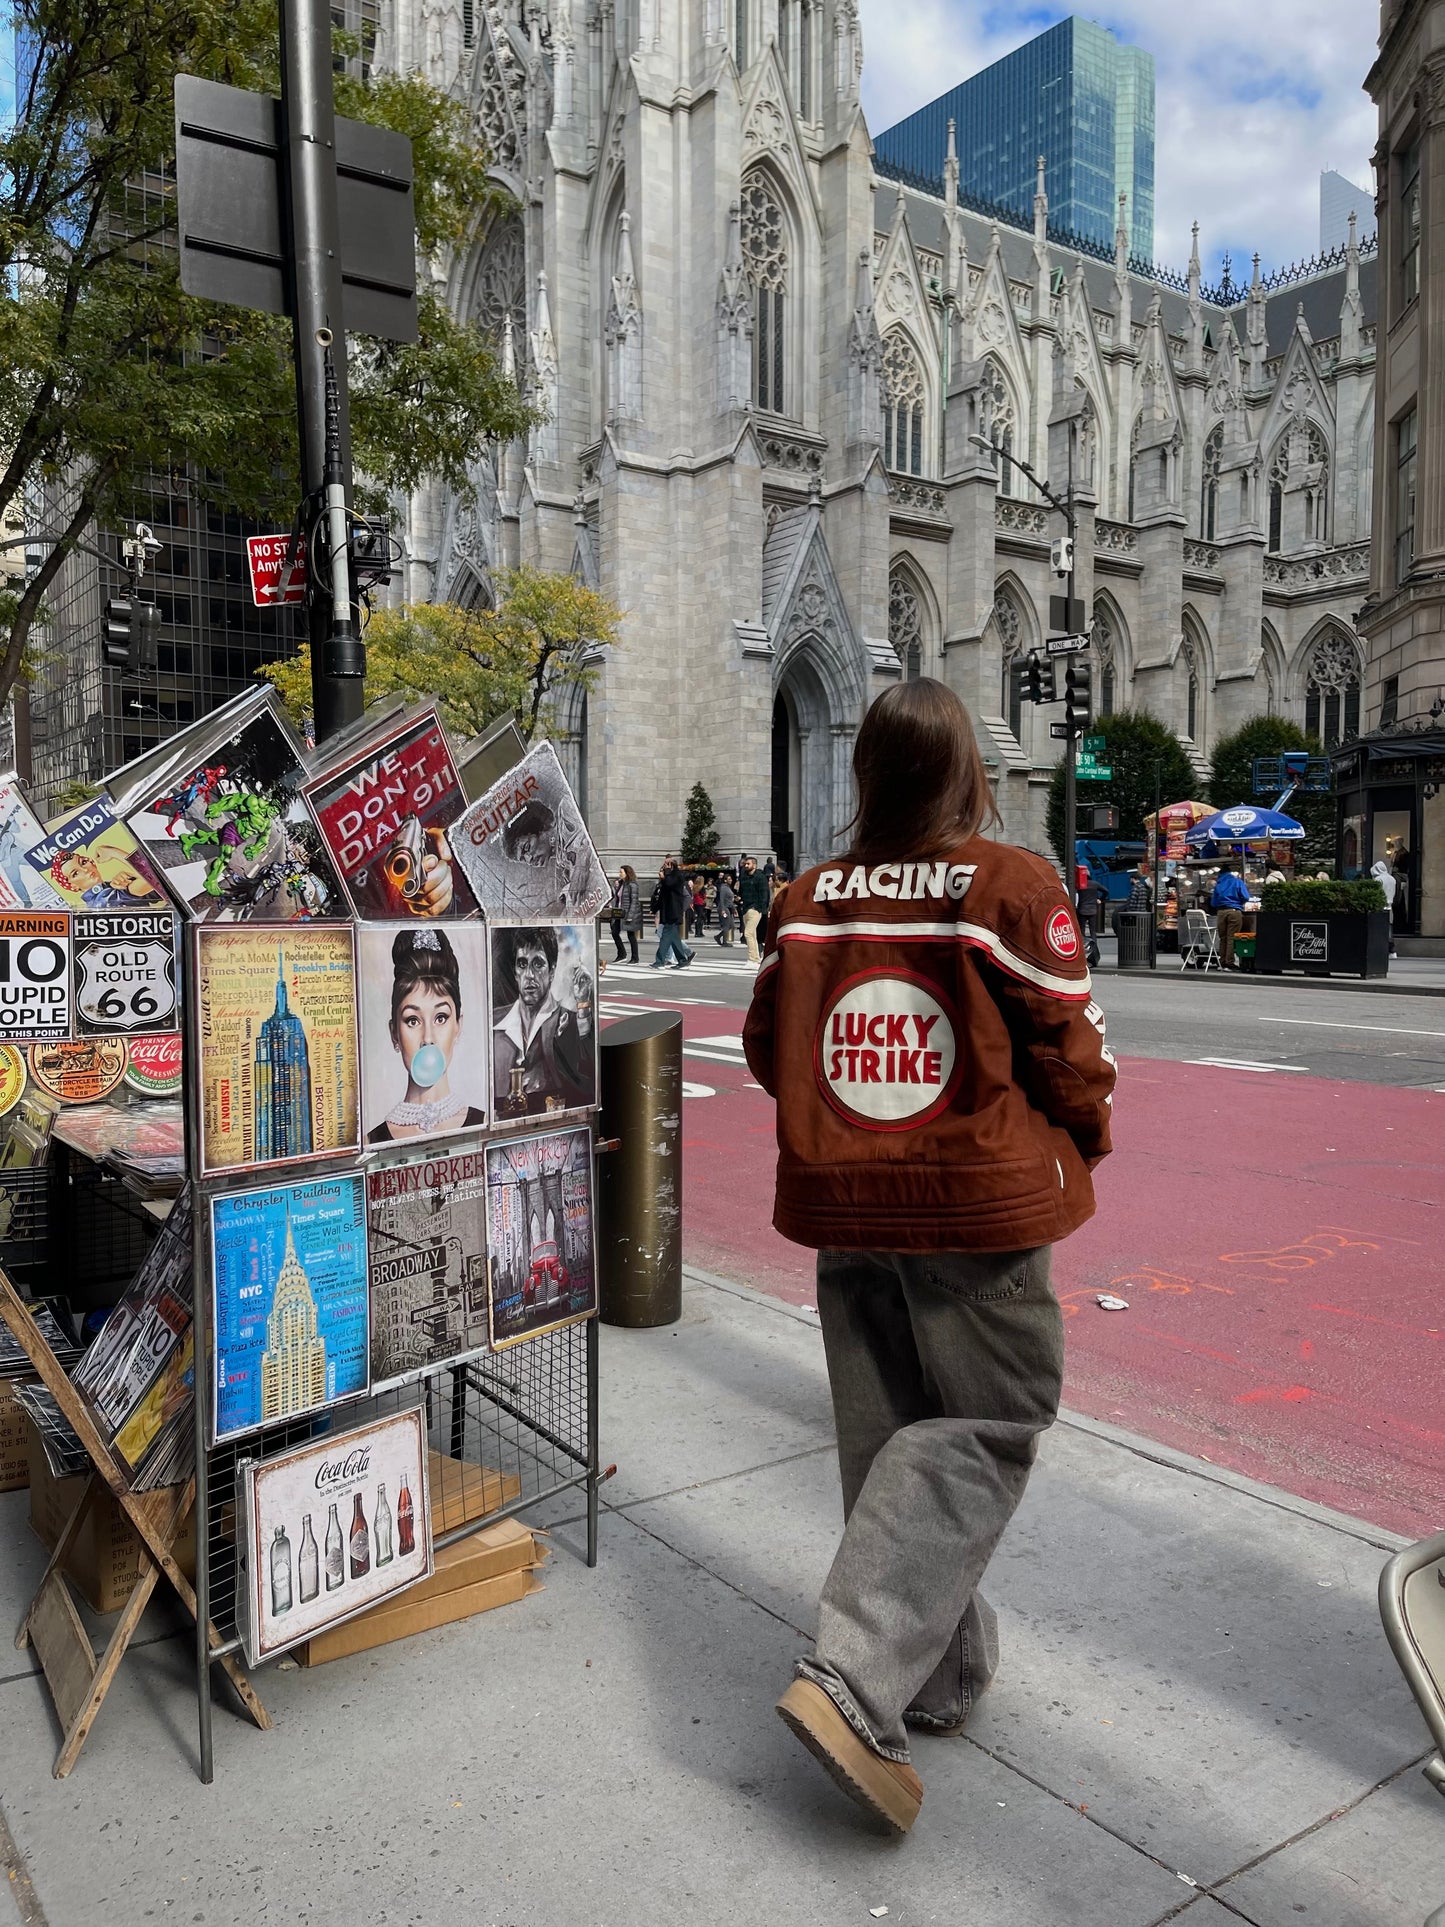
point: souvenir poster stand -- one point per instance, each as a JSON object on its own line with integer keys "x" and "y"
{"x": 510, "y": 1417}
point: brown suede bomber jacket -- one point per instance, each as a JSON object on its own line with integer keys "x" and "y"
{"x": 930, "y": 1034}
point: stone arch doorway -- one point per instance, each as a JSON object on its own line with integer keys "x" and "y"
{"x": 812, "y": 778}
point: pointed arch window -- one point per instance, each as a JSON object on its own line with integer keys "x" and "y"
{"x": 1332, "y": 689}
{"x": 1105, "y": 659}
{"x": 1010, "y": 629}
{"x": 903, "y": 394}
{"x": 905, "y": 623}
{"x": 1307, "y": 446}
{"x": 1192, "y": 656}
{"x": 1209, "y": 492}
{"x": 765, "y": 256}
{"x": 998, "y": 420}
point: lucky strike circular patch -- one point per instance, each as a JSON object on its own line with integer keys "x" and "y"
{"x": 886, "y": 1054}
{"x": 1062, "y": 936}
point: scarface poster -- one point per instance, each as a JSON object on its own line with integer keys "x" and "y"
{"x": 544, "y": 1030}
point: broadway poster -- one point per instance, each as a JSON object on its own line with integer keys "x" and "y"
{"x": 289, "y": 1297}
{"x": 540, "y": 1234}
{"x": 275, "y": 1038}
{"x": 428, "y": 1262}
{"x": 386, "y": 816}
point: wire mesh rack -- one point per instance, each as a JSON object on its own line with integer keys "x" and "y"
{"x": 505, "y": 1431}
{"x": 25, "y": 1227}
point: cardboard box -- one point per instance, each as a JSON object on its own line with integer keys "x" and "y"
{"x": 104, "y": 1561}
{"x": 460, "y": 1492}
{"x": 14, "y": 1439}
{"x": 402, "y": 1617}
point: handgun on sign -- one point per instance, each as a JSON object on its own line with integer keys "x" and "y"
{"x": 418, "y": 864}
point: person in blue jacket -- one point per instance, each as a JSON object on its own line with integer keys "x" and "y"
{"x": 1227, "y": 901}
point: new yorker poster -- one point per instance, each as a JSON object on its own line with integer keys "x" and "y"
{"x": 288, "y": 1272}
{"x": 275, "y": 1031}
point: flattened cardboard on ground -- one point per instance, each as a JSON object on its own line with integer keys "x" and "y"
{"x": 104, "y": 1560}
{"x": 461, "y": 1493}
{"x": 385, "y": 1623}
{"x": 14, "y": 1439}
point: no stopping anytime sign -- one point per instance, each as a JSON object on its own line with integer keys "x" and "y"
{"x": 34, "y": 975}
{"x": 125, "y": 972}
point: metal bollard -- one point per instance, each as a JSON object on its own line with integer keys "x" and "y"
{"x": 639, "y": 1186}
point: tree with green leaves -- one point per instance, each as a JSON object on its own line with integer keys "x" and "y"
{"x": 699, "y": 830}
{"x": 1135, "y": 744}
{"x": 544, "y": 637}
{"x": 113, "y": 374}
{"x": 1231, "y": 779}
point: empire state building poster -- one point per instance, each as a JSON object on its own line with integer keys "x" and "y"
{"x": 277, "y": 1043}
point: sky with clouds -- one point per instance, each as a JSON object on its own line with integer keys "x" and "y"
{"x": 1252, "y": 99}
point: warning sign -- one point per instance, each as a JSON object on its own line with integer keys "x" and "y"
{"x": 267, "y": 556}
{"x": 34, "y": 975}
{"x": 125, "y": 972}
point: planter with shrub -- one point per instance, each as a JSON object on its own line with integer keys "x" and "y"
{"x": 1324, "y": 929}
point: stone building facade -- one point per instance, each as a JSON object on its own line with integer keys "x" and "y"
{"x": 764, "y": 362}
{"x": 1391, "y": 781}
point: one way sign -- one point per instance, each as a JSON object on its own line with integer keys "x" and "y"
{"x": 266, "y": 555}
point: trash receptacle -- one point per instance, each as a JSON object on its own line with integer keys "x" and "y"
{"x": 1135, "y": 928}
{"x": 639, "y": 1185}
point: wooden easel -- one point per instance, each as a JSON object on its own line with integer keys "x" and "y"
{"x": 78, "y": 1681}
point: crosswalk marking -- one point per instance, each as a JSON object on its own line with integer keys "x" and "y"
{"x": 1243, "y": 1064}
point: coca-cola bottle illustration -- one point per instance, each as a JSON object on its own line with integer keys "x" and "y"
{"x": 381, "y": 1528}
{"x": 360, "y": 1542}
{"x": 335, "y": 1568}
{"x": 280, "y": 1572}
{"x": 405, "y": 1529}
{"x": 308, "y": 1577}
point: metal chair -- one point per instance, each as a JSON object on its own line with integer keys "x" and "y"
{"x": 1412, "y": 1607}
{"x": 1198, "y": 937}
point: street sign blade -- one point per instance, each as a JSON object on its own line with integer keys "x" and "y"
{"x": 1093, "y": 746}
{"x": 1061, "y": 732}
{"x": 266, "y": 554}
{"x": 1066, "y": 645}
{"x": 1094, "y": 772}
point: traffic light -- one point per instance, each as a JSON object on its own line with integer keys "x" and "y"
{"x": 131, "y": 633}
{"x": 1039, "y": 680}
{"x": 1078, "y": 693}
{"x": 116, "y": 632}
{"x": 146, "y": 628}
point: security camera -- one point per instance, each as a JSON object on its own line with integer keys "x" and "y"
{"x": 148, "y": 539}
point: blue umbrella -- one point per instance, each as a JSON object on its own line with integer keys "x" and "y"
{"x": 1246, "y": 825}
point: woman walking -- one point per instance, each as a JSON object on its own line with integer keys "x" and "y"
{"x": 629, "y": 909}
{"x": 923, "y": 1014}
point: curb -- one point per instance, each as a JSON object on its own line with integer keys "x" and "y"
{"x": 1374, "y": 987}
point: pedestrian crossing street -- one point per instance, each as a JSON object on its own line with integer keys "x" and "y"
{"x": 710, "y": 958}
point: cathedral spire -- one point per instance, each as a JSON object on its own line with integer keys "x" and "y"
{"x": 1041, "y": 247}
{"x": 734, "y": 314}
{"x": 1352, "y": 311}
{"x": 1195, "y": 357}
{"x": 1121, "y": 240}
{"x": 1041, "y": 209}
{"x": 950, "y": 171}
{"x": 865, "y": 361}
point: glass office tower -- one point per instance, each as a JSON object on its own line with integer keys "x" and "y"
{"x": 1073, "y": 95}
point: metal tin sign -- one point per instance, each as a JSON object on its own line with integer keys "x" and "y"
{"x": 125, "y": 972}
{"x": 154, "y": 1067}
{"x": 34, "y": 975}
{"x": 78, "y": 1070}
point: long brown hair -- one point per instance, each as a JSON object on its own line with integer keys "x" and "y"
{"x": 922, "y": 787}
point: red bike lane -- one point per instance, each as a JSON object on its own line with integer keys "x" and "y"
{"x": 1278, "y": 1240}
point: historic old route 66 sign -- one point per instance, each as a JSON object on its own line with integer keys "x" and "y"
{"x": 125, "y": 971}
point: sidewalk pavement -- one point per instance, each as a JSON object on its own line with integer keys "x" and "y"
{"x": 1418, "y": 976}
{"x": 1197, "y": 1718}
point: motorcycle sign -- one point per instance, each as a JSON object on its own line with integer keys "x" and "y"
{"x": 125, "y": 972}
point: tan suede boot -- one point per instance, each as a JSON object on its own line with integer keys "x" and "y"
{"x": 886, "y": 1788}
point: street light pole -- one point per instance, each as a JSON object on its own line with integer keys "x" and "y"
{"x": 1065, "y": 507}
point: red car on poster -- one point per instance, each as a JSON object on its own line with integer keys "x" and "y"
{"x": 547, "y": 1277}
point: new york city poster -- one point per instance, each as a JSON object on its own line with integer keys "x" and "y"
{"x": 289, "y": 1300}
{"x": 274, "y": 1035}
{"x": 428, "y": 1263}
{"x": 542, "y": 1266}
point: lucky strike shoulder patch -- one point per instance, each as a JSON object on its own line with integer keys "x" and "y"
{"x": 886, "y": 1055}
{"x": 1061, "y": 935}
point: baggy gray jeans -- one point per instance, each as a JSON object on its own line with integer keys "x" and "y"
{"x": 944, "y": 1370}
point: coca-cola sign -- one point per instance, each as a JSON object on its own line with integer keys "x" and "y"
{"x": 330, "y": 1528}
{"x": 334, "y": 1472}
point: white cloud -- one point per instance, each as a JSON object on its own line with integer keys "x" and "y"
{"x": 1252, "y": 99}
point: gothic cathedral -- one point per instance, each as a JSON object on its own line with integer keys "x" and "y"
{"x": 764, "y": 361}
